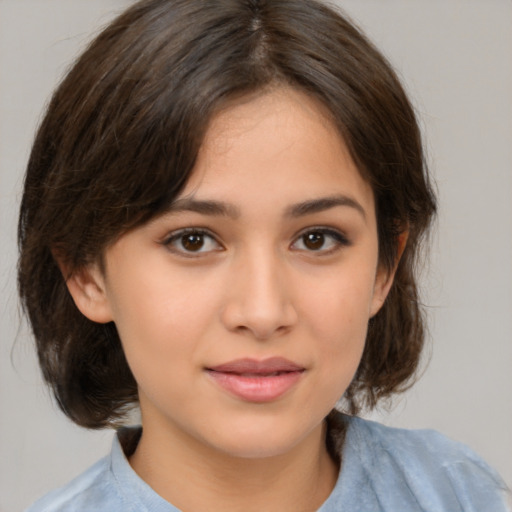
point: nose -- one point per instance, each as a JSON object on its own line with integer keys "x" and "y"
{"x": 259, "y": 300}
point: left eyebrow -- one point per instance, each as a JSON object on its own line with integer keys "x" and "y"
{"x": 324, "y": 203}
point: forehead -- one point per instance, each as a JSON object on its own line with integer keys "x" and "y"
{"x": 278, "y": 144}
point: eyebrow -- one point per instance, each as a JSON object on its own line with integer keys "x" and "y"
{"x": 324, "y": 203}
{"x": 309, "y": 207}
{"x": 204, "y": 207}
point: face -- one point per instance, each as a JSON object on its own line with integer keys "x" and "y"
{"x": 243, "y": 310}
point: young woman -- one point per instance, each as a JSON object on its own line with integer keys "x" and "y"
{"x": 221, "y": 217}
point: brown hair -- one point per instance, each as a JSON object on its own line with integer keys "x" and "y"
{"x": 119, "y": 141}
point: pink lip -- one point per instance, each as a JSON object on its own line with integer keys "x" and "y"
{"x": 257, "y": 381}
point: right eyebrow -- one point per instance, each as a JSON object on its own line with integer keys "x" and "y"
{"x": 204, "y": 207}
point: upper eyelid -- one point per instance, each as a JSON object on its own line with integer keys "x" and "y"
{"x": 329, "y": 230}
{"x": 183, "y": 231}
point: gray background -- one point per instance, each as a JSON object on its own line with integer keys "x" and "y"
{"x": 455, "y": 57}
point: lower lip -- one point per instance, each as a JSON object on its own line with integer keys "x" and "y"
{"x": 256, "y": 388}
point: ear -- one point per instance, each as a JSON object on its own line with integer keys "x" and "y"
{"x": 87, "y": 287}
{"x": 384, "y": 278}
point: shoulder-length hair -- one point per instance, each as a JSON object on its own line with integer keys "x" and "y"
{"x": 120, "y": 138}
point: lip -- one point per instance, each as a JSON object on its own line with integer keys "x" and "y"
{"x": 257, "y": 381}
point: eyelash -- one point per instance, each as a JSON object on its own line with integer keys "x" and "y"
{"x": 177, "y": 236}
{"x": 338, "y": 240}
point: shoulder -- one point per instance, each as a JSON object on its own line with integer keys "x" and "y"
{"x": 92, "y": 490}
{"x": 111, "y": 485}
{"x": 412, "y": 444}
{"x": 434, "y": 469}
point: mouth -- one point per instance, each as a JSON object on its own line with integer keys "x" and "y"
{"x": 257, "y": 381}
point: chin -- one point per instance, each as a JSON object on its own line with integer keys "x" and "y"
{"x": 261, "y": 439}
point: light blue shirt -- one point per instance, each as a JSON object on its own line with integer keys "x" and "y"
{"x": 383, "y": 470}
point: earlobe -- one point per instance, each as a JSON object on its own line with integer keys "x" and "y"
{"x": 383, "y": 283}
{"x": 87, "y": 287}
{"x": 384, "y": 278}
{"x": 401, "y": 243}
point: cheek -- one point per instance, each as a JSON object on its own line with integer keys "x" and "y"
{"x": 340, "y": 302}
{"x": 161, "y": 318}
{"x": 338, "y": 313}
{"x": 337, "y": 332}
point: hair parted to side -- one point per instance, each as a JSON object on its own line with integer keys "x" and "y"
{"x": 120, "y": 138}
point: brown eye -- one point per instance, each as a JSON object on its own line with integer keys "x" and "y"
{"x": 320, "y": 240}
{"x": 314, "y": 240}
{"x": 192, "y": 242}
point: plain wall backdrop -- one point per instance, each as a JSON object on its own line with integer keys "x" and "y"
{"x": 455, "y": 57}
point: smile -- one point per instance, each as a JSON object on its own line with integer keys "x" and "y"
{"x": 257, "y": 381}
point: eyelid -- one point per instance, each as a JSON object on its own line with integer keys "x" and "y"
{"x": 339, "y": 237}
{"x": 178, "y": 233}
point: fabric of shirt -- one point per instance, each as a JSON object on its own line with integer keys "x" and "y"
{"x": 383, "y": 470}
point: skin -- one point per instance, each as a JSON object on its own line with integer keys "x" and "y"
{"x": 251, "y": 287}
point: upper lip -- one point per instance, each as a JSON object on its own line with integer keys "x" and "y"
{"x": 255, "y": 366}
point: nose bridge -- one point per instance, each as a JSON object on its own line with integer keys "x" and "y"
{"x": 259, "y": 299}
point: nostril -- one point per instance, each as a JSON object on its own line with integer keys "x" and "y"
{"x": 261, "y": 324}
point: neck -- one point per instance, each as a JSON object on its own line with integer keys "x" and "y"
{"x": 194, "y": 477}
